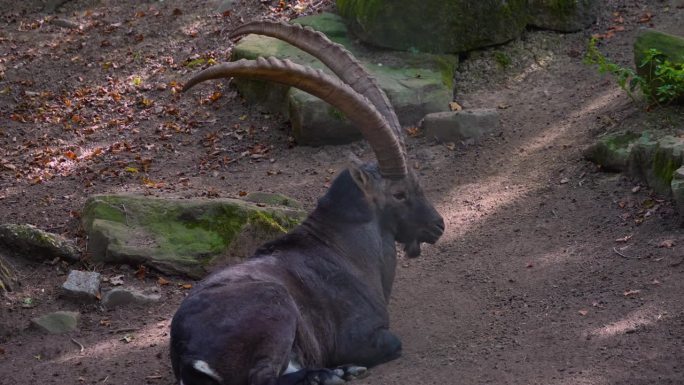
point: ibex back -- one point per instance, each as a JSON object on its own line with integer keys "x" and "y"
{"x": 311, "y": 307}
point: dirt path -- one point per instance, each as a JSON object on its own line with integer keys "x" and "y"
{"x": 527, "y": 286}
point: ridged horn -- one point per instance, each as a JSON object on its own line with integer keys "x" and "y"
{"x": 373, "y": 125}
{"x": 334, "y": 56}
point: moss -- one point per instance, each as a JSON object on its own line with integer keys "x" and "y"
{"x": 336, "y": 114}
{"x": 363, "y": 10}
{"x": 665, "y": 165}
{"x": 447, "y": 67}
{"x": 621, "y": 141}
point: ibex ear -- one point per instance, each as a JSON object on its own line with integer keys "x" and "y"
{"x": 358, "y": 174}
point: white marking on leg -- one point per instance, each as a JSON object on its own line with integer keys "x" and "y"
{"x": 292, "y": 367}
{"x": 203, "y": 367}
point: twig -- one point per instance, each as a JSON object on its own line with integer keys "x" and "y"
{"x": 80, "y": 345}
{"x": 154, "y": 377}
{"x": 620, "y": 254}
{"x": 124, "y": 330}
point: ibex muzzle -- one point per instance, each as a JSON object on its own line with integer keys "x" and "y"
{"x": 311, "y": 306}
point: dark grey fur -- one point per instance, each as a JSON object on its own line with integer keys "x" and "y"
{"x": 317, "y": 296}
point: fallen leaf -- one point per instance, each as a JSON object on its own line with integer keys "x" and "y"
{"x": 453, "y": 106}
{"x": 624, "y": 239}
{"x": 413, "y": 132}
{"x": 127, "y": 338}
{"x": 583, "y": 312}
{"x": 105, "y": 322}
{"x": 141, "y": 272}
{"x": 186, "y": 286}
{"x": 163, "y": 282}
{"x": 242, "y": 193}
{"x": 668, "y": 243}
{"x": 564, "y": 181}
{"x": 631, "y": 292}
{"x": 636, "y": 189}
{"x": 71, "y": 155}
{"x": 116, "y": 280}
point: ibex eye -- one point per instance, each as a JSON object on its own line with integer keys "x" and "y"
{"x": 400, "y": 196}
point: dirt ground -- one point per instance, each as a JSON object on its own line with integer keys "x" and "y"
{"x": 530, "y": 283}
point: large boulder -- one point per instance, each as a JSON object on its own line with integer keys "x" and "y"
{"x": 187, "y": 237}
{"x": 459, "y": 25}
{"x": 435, "y": 25}
{"x": 416, "y": 84}
{"x": 563, "y": 15}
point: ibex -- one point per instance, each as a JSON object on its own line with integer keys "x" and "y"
{"x": 311, "y": 306}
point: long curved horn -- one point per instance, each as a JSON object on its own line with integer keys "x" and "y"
{"x": 358, "y": 109}
{"x": 334, "y": 56}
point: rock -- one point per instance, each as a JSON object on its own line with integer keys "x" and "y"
{"x": 82, "y": 285}
{"x": 677, "y": 186}
{"x": 416, "y": 84}
{"x": 187, "y": 237}
{"x": 452, "y": 26}
{"x": 58, "y": 322}
{"x": 563, "y": 15}
{"x": 612, "y": 151}
{"x": 671, "y": 46}
{"x": 121, "y": 297}
{"x": 655, "y": 161}
{"x": 457, "y": 126}
{"x": 35, "y": 244}
{"x": 225, "y": 6}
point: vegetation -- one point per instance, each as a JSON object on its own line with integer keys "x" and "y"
{"x": 663, "y": 84}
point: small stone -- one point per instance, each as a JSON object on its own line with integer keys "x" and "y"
{"x": 457, "y": 126}
{"x": 58, "y": 322}
{"x": 122, "y": 297}
{"x": 82, "y": 285}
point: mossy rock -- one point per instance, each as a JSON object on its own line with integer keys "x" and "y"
{"x": 612, "y": 151}
{"x": 655, "y": 162}
{"x": 563, "y": 15}
{"x": 677, "y": 187}
{"x": 29, "y": 242}
{"x": 415, "y": 83}
{"x": 186, "y": 237}
{"x": 670, "y": 45}
{"x": 435, "y": 25}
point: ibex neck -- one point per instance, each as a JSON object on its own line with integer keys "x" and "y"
{"x": 365, "y": 245}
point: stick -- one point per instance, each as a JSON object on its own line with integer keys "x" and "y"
{"x": 80, "y": 345}
{"x": 620, "y": 254}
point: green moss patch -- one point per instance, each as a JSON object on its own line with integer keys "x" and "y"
{"x": 179, "y": 236}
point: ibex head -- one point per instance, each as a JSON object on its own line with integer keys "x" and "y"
{"x": 390, "y": 188}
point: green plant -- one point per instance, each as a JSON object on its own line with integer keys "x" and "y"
{"x": 502, "y": 59}
{"x": 663, "y": 84}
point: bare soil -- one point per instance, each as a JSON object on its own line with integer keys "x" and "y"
{"x": 550, "y": 271}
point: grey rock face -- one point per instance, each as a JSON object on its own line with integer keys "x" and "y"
{"x": 456, "y": 126}
{"x": 82, "y": 285}
{"x": 122, "y": 297}
{"x": 57, "y": 323}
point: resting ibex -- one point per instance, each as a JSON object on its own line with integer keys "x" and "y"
{"x": 308, "y": 306}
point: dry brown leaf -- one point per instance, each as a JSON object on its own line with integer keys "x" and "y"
{"x": 186, "y": 286}
{"x": 163, "y": 282}
{"x": 453, "y": 106}
{"x": 141, "y": 272}
{"x": 631, "y": 293}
